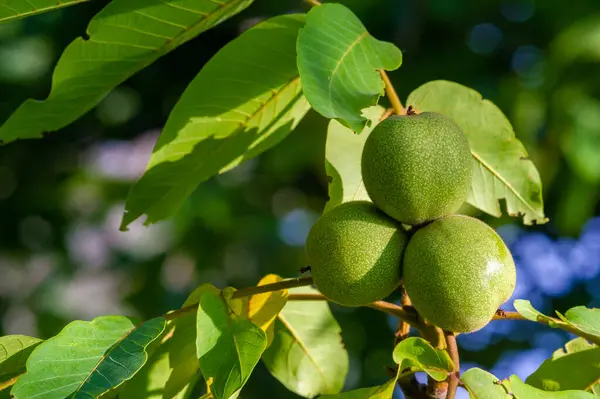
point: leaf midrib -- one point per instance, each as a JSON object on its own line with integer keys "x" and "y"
{"x": 242, "y": 126}
{"x": 305, "y": 349}
{"x": 505, "y": 182}
{"x": 38, "y": 10}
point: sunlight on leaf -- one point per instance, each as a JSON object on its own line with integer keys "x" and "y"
{"x": 483, "y": 385}
{"x": 88, "y": 358}
{"x": 501, "y": 166}
{"x": 14, "y": 351}
{"x": 228, "y": 347}
{"x": 385, "y": 391}
{"x": 526, "y": 310}
{"x": 125, "y": 37}
{"x": 583, "y": 319}
{"x": 245, "y": 100}
{"x": 338, "y": 62}
{"x": 15, "y": 9}
{"x": 307, "y": 354}
{"x": 418, "y": 355}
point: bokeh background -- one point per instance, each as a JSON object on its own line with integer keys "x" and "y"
{"x": 62, "y": 256}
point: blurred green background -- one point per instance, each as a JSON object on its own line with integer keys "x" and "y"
{"x": 62, "y": 256}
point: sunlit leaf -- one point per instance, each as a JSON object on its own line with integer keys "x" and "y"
{"x": 483, "y": 385}
{"x": 245, "y": 100}
{"x": 88, "y": 358}
{"x": 527, "y": 310}
{"x": 125, "y": 37}
{"x": 228, "y": 347}
{"x": 576, "y": 367}
{"x": 520, "y": 390}
{"x": 262, "y": 309}
{"x": 15, "y": 9}
{"x": 14, "y": 351}
{"x": 338, "y": 62}
{"x": 182, "y": 347}
{"x": 384, "y": 391}
{"x": 584, "y": 319}
{"x": 343, "y": 151}
{"x": 418, "y": 355}
{"x": 501, "y": 166}
{"x": 307, "y": 355}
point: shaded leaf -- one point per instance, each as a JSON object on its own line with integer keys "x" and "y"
{"x": 14, "y": 351}
{"x": 245, "y": 100}
{"x": 483, "y": 385}
{"x": 501, "y": 166}
{"x": 343, "y": 151}
{"x": 578, "y": 369}
{"x": 15, "y": 9}
{"x": 125, "y": 37}
{"x": 149, "y": 382}
{"x": 418, "y": 355}
{"x": 228, "y": 347}
{"x": 338, "y": 61}
{"x": 307, "y": 355}
{"x": 182, "y": 347}
{"x": 88, "y": 358}
{"x": 520, "y": 390}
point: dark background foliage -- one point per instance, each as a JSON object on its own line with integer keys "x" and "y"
{"x": 61, "y": 198}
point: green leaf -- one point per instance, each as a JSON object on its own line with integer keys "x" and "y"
{"x": 14, "y": 351}
{"x": 15, "y": 9}
{"x": 149, "y": 382}
{"x": 418, "y": 355}
{"x": 182, "y": 347}
{"x": 483, "y": 385}
{"x": 385, "y": 391}
{"x": 229, "y": 347}
{"x": 584, "y": 319}
{"x": 579, "y": 42}
{"x": 88, "y": 358}
{"x": 526, "y": 310}
{"x": 520, "y": 390}
{"x": 307, "y": 355}
{"x": 501, "y": 166}
{"x": 125, "y": 37}
{"x": 343, "y": 151}
{"x": 577, "y": 368}
{"x": 338, "y": 62}
{"x": 575, "y": 345}
{"x": 245, "y": 100}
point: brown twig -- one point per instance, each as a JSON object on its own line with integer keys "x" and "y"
{"x": 403, "y": 327}
{"x": 454, "y": 377}
{"x": 391, "y": 94}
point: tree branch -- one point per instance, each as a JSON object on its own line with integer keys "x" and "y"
{"x": 452, "y": 349}
{"x": 281, "y": 285}
{"x": 403, "y": 327}
{"x": 503, "y": 315}
{"x": 391, "y": 94}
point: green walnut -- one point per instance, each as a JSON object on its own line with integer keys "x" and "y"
{"x": 417, "y": 168}
{"x": 457, "y": 272}
{"x": 355, "y": 253}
